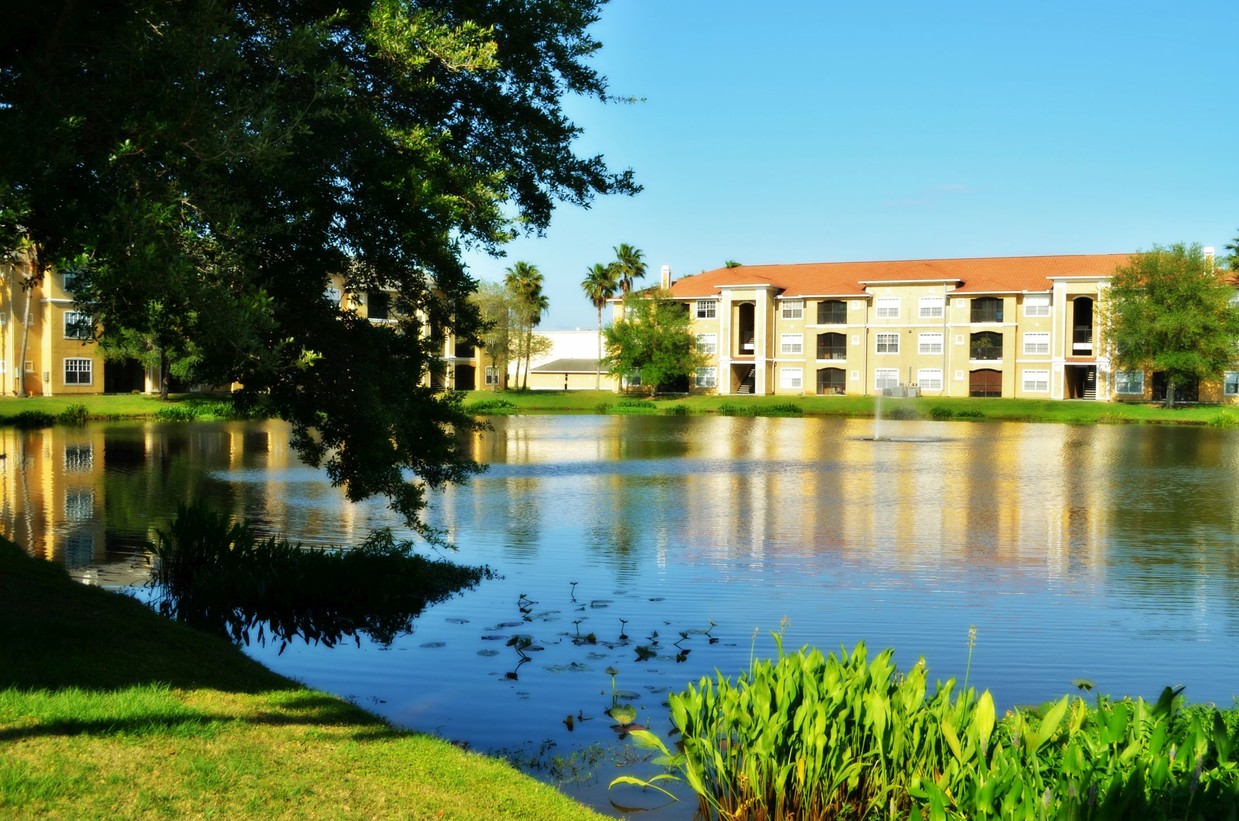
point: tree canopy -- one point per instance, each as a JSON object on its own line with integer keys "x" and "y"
{"x": 1172, "y": 310}
{"x": 600, "y": 284}
{"x": 220, "y": 160}
{"x": 654, "y": 340}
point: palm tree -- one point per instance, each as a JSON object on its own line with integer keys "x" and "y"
{"x": 600, "y": 284}
{"x": 525, "y": 281}
{"x": 629, "y": 266}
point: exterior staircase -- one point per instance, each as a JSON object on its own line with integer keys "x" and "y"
{"x": 1090, "y": 384}
{"x": 749, "y": 382}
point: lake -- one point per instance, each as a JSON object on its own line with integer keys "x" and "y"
{"x": 1102, "y": 553}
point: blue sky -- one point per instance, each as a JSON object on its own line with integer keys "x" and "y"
{"x": 785, "y": 132}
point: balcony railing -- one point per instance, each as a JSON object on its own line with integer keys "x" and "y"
{"x": 1082, "y": 338}
{"x": 746, "y": 344}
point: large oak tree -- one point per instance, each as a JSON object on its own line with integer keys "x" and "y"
{"x": 1173, "y": 310}
{"x": 220, "y": 159}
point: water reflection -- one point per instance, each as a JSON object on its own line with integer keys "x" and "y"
{"x": 1106, "y": 553}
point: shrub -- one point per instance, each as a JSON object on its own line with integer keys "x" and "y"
{"x": 902, "y": 412}
{"x": 633, "y": 402}
{"x": 676, "y": 410}
{"x": 1225, "y": 419}
{"x": 32, "y": 420}
{"x": 176, "y": 413}
{"x": 940, "y": 413}
{"x": 728, "y": 409}
{"x": 970, "y": 413}
{"x": 782, "y": 409}
{"x": 73, "y": 415}
{"x": 602, "y": 408}
{"x": 494, "y": 406}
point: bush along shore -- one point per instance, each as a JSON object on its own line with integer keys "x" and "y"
{"x": 814, "y": 737}
{"x": 109, "y": 710}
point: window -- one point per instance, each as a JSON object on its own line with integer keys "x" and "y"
{"x": 985, "y": 345}
{"x": 492, "y": 375}
{"x": 78, "y": 325}
{"x": 1132, "y": 382}
{"x": 831, "y": 381}
{"x": 885, "y": 378}
{"x": 832, "y": 312}
{"x": 1037, "y": 343}
{"x": 707, "y": 377}
{"x": 792, "y": 378}
{"x": 633, "y": 380}
{"x": 379, "y": 302}
{"x": 931, "y": 307}
{"x": 706, "y": 309}
{"x": 832, "y": 346}
{"x": 707, "y": 343}
{"x": 1037, "y": 305}
{"x": 930, "y": 343}
{"x": 1036, "y": 381}
{"x": 888, "y": 343}
{"x": 332, "y": 295}
{"x": 68, "y": 281}
{"x": 78, "y": 372}
{"x": 929, "y": 379}
{"x": 793, "y": 309}
{"x": 791, "y": 343}
{"x": 886, "y": 307}
{"x": 1230, "y": 383}
{"x": 986, "y": 309}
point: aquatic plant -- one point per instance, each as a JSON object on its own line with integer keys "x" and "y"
{"x": 814, "y": 737}
{"x": 941, "y": 414}
{"x": 75, "y": 414}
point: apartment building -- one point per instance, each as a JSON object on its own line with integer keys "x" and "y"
{"x": 1027, "y": 327}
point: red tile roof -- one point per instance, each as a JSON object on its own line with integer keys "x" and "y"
{"x": 985, "y": 275}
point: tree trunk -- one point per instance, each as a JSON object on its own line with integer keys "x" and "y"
{"x": 1169, "y": 392}
{"x": 21, "y": 363}
{"x": 598, "y": 364}
{"x": 163, "y": 374}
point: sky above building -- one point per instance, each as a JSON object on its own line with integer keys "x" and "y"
{"x": 796, "y": 131}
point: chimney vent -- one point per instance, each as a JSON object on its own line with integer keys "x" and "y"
{"x": 666, "y": 277}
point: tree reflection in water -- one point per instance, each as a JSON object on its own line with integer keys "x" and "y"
{"x": 217, "y": 575}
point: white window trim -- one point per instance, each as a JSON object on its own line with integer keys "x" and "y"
{"x": 929, "y": 379}
{"x": 1039, "y": 301}
{"x": 1230, "y": 378}
{"x": 931, "y": 307}
{"x": 1033, "y": 344}
{"x": 791, "y": 378}
{"x": 930, "y": 343}
{"x": 1119, "y": 385}
{"x": 1035, "y": 380}
{"x": 886, "y": 307}
{"x": 792, "y": 309}
{"x": 877, "y": 342}
{"x": 791, "y": 344}
{"x": 889, "y": 375}
{"x": 89, "y": 370}
{"x": 706, "y": 377}
{"x": 82, "y": 322}
{"x": 707, "y": 343}
{"x": 706, "y": 309}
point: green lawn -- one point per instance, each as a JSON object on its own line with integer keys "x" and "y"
{"x": 108, "y": 710}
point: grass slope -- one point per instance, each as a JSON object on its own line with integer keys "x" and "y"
{"x": 107, "y": 710}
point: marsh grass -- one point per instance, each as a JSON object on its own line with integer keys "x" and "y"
{"x": 815, "y": 737}
{"x": 117, "y": 712}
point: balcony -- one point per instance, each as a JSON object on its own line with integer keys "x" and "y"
{"x": 1082, "y": 339}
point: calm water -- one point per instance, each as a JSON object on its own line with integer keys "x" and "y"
{"x": 1104, "y": 553}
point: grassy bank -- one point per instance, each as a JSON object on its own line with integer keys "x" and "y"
{"x": 1014, "y": 410}
{"x": 198, "y": 406}
{"x": 110, "y": 711}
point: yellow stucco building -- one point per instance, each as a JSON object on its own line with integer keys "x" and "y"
{"x": 1027, "y": 327}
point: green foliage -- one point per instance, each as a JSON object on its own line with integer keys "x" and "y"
{"x": 729, "y": 409}
{"x": 677, "y": 410}
{"x": 217, "y": 575}
{"x": 1170, "y": 310}
{"x": 1225, "y": 419}
{"x": 654, "y": 340}
{"x": 76, "y": 414}
{"x": 781, "y": 409}
{"x": 940, "y": 414}
{"x": 204, "y": 168}
{"x": 490, "y": 406}
{"x": 32, "y": 419}
{"x": 969, "y": 413}
{"x": 901, "y": 411}
{"x": 813, "y": 736}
